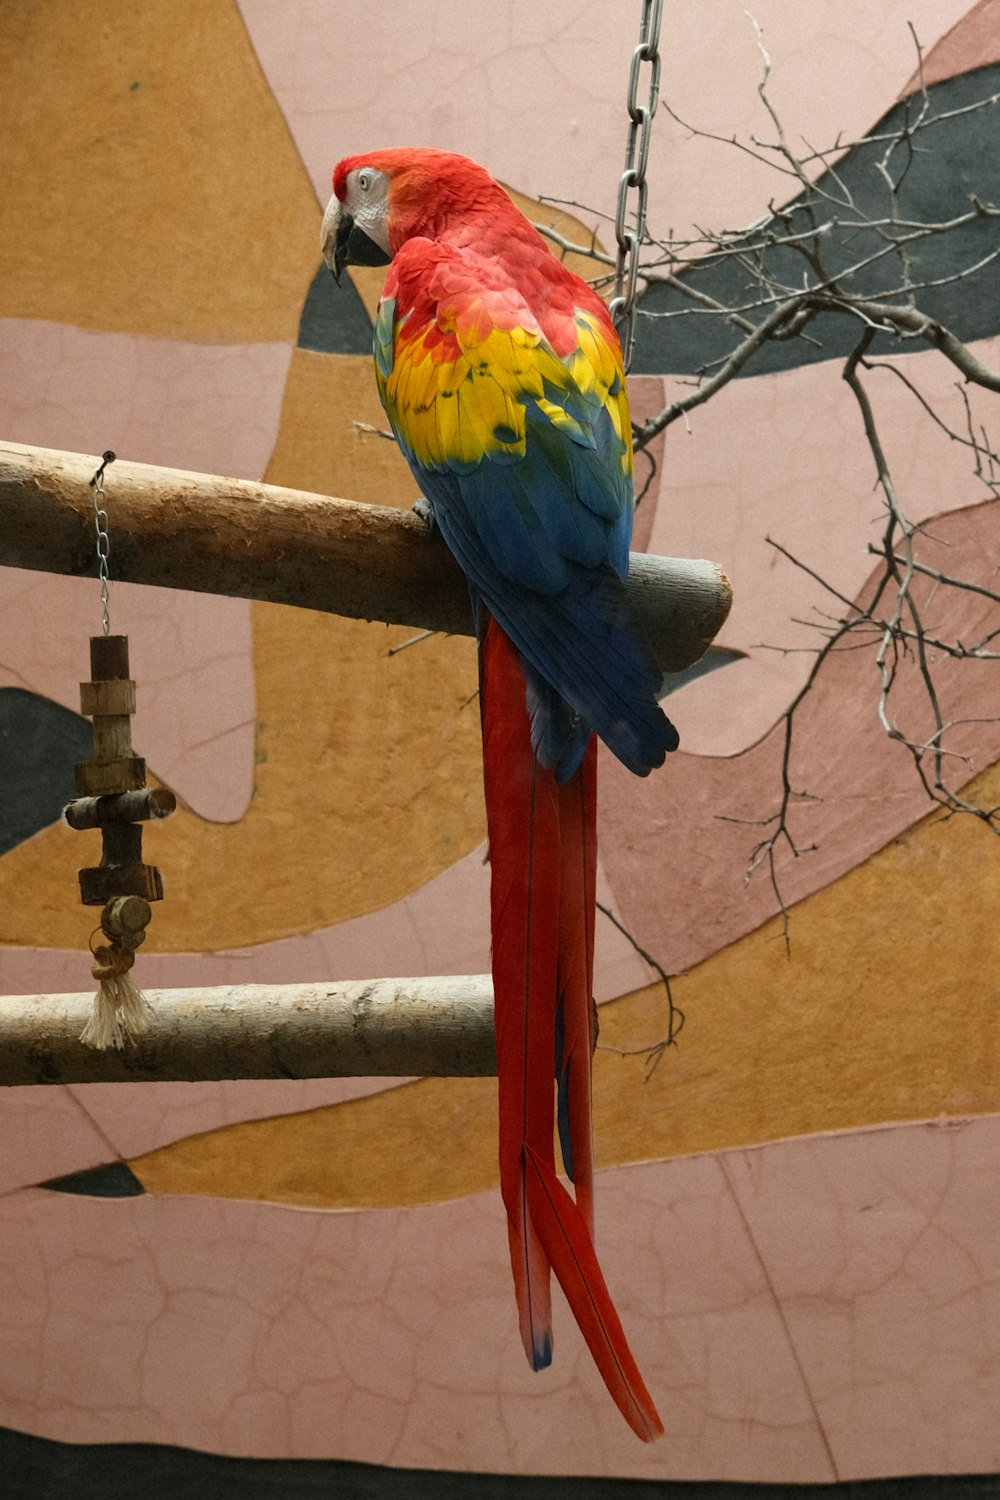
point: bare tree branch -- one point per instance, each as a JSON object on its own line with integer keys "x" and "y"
{"x": 861, "y": 255}
{"x": 856, "y": 243}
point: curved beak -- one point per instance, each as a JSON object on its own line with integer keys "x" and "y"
{"x": 343, "y": 243}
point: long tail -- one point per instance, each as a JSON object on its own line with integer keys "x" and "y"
{"x": 543, "y": 863}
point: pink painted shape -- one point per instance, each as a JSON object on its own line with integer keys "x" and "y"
{"x": 45, "y": 1132}
{"x": 697, "y": 821}
{"x": 536, "y": 96}
{"x": 202, "y": 407}
{"x": 42, "y": 971}
{"x": 390, "y": 1337}
{"x": 439, "y": 77}
{"x": 212, "y": 408}
{"x": 441, "y": 929}
{"x": 647, "y": 395}
{"x": 191, "y": 657}
{"x": 802, "y": 473}
{"x": 806, "y": 1311}
{"x": 883, "y": 1252}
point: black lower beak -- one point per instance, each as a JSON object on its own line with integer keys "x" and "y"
{"x": 353, "y": 247}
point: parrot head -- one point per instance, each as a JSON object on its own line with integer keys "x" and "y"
{"x": 386, "y": 197}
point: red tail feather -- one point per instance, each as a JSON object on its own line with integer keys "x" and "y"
{"x": 565, "y": 1240}
{"x": 543, "y": 856}
{"x": 522, "y": 807}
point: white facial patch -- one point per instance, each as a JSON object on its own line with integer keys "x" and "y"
{"x": 367, "y": 202}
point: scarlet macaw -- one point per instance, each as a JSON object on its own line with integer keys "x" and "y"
{"x": 501, "y": 374}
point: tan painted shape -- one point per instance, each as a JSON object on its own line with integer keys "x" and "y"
{"x": 155, "y": 189}
{"x": 884, "y": 1011}
{"x": 369, "y": 768}
{"x": 432, "y": 1141}
{"x": 322, "y": 449}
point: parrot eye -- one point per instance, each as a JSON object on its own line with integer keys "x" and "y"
{"x": 364, "y": 181}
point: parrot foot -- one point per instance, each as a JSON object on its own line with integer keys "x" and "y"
{"x": 425, "y": 511}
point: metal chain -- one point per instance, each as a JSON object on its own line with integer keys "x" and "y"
{"x": 103, "y": 538}
{"x": 630, "y": 225}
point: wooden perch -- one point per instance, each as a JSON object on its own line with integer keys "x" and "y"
{"x": 258, "y": 541}
{"x": 360, "y": 1028}
{"x": 226, "y": 536}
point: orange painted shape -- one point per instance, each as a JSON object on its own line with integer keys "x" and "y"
{"x": 156, "y": 189}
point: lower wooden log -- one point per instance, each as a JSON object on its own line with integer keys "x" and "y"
{"x": 357, "y": 1028}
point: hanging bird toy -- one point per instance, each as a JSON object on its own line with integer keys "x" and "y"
{"x": 112, "y": 795}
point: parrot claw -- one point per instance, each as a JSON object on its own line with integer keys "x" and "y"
{"x": 425, "y": 511}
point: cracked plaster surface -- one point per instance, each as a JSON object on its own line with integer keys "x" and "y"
{"x": 46, "y": 1132}
{"x": 884, "y": 1257}
{"x": 209, "y": 408}
{"x": 810, "y": 1310}
{"x": 857, "y": 788}
{"x": 538, "y": 97}
{"x": 189, "y": 655}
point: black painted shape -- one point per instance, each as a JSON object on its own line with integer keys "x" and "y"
{"x": 950, "y": 161}
{"x": 334, "y": 319}
{"x": 39, "y": 1469}
{"x": 40, "y": 742}
{"x": 114, "y": 1179}
{"x": 714, "y": 658}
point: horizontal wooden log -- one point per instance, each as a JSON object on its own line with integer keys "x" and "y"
{"x": 258, "y": 541}
{"x": 360, "y": 1028}
{"x": 127, "y": 807}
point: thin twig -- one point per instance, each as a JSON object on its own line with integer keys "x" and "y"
{"x": 675, "y": 1016}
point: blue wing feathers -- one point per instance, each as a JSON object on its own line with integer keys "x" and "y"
{"x": 581, "y": 641}
{"x": 558, "y": 733}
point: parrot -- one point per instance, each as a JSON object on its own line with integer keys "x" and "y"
{"x": 501, "y": 375}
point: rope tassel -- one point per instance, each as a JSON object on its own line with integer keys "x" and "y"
{"x": 121, "y": 1011}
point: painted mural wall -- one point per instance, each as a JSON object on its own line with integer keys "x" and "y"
{"x": 798, "y": 1202}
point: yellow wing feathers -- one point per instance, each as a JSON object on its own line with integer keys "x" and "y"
{"x": 459, "y": 387}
